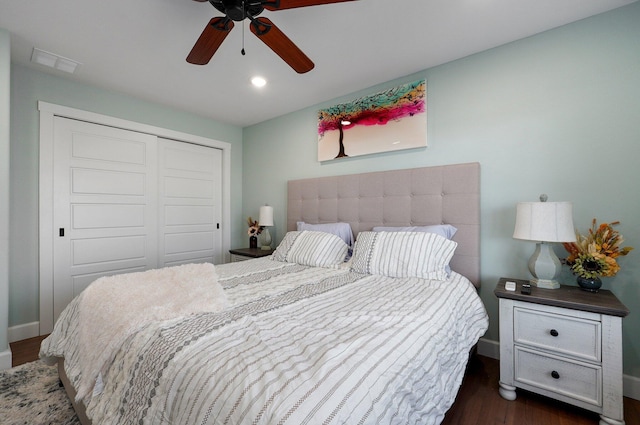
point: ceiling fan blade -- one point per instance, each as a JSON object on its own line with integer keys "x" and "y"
{"x": 211, "y": 38}
{"x": 290, "y": 4}
{"x": 277, "y": 41}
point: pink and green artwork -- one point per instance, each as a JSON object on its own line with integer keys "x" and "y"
{"x": 391, "y": 120}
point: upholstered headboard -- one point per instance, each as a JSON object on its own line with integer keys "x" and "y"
{"x": 448, "y": 194}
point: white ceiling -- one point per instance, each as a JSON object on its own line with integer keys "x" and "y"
{"x": 139, "y": 46}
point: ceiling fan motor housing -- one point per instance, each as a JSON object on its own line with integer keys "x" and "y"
{"x": 238, "y": 10}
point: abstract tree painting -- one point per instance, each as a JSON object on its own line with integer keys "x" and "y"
{"x": 387, "y": 121}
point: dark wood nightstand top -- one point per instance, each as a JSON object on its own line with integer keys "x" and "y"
{"x": 252, "y": 252}
{"x": 602, "y": 302}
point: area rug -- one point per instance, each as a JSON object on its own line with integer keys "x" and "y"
{"x": 30, "y": 394}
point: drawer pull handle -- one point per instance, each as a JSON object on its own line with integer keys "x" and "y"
{"x": 553, "y": 332}
{"x": 555, "y": 375}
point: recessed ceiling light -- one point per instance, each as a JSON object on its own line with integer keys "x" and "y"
{"x": 258, "y": 81}
{"x": 54, "y": 61}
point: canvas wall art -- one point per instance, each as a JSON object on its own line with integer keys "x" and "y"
{"x": 391, "y": 120}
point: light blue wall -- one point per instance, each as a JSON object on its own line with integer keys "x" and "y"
{"x": 27, "y": 88}
{"x": 557, "y": 113}
{"x": 5, "y": 73}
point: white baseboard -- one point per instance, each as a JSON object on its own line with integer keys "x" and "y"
{"x": 631, "y": 387}
{"x": 5, "y": 359}
{"x": 20, "y": 332}
{"x": 491, "y": 349}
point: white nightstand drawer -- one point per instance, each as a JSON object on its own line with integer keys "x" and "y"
{"x": 571, "y": 336}
{"x": 580, "y": 381}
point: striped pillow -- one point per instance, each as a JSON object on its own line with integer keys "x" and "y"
{"x": 311, "y": 248}
{"x": 446, "y": 230}
{"x": 403, "y": 254}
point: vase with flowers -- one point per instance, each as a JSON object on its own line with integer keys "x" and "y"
{"x": 594, "y": 255}
{"x": 254, "y": 230}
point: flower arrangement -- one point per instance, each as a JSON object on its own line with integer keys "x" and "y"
{"x": 254, "y": 227}
{"x": 594, "y": 255}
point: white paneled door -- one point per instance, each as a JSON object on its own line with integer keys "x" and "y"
{"x": 190, "y": 182}
{"x": 126, "y": 201}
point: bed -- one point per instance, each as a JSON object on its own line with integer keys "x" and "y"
{"x": 302, "y": 337}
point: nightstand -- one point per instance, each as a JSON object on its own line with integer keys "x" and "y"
{"x": 563, "y": 343}
{"x": 248, "y": 253}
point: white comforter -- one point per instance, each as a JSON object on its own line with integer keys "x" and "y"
{"x": 114, "y": 307}
{"x": 298, "y": 345}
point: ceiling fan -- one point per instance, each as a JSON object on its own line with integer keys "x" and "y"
{"x": 238, "y": 10}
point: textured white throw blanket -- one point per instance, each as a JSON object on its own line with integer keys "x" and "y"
{"x": 114, "y": 307}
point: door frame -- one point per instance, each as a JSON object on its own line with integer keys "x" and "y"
{"x": 48, "y": 111}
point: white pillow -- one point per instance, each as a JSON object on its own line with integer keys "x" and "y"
{"x": 445, "y": 230}
{"x": 311, "y": 248}
{"x": 342, "y": 230}
{"x": 403, "y": 254}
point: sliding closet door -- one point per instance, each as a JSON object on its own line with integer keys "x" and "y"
{"x": 105, "y": 205}
{"x": 190, "y": 193}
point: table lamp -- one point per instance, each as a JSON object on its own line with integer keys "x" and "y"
{"x": 265, "y": 219}
{"x": 544, "y": 222}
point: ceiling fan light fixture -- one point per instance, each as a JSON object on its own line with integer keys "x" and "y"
{"x": 258, "y": 81}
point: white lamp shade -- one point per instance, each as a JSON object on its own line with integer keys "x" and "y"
{"x": 266, "y": 216}
{"x": 545, "y": 222}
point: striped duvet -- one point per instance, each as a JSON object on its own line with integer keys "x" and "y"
{"x": 299, "y": 345}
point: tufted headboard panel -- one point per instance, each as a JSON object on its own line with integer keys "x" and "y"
{"x": 448, "y": 194}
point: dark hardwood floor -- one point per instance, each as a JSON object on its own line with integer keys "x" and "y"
{"x": 477, "y": 403}
{"x": 26, "y": 350}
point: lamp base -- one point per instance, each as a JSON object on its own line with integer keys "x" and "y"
{"x": 545, "y": 283}
{"x": 544, "y": 266}
{"x": 265, "y": 240}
